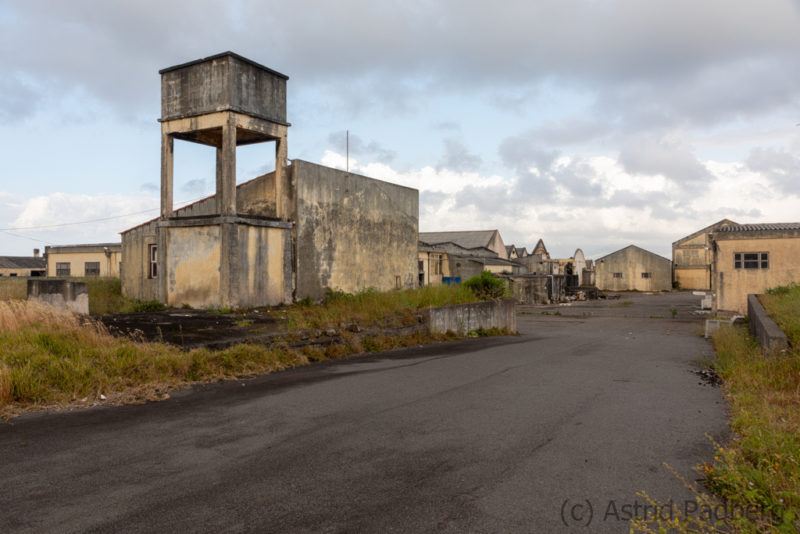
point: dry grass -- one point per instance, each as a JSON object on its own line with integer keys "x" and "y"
{"x": 57, "y": 359}
{"x": 13, "y": 289}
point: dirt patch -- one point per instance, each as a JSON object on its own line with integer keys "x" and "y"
{"x": 194, "y": 328}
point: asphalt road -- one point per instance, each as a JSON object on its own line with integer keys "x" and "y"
{"x": 513, "y": 434}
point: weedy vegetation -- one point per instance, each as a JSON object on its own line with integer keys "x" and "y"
{"x": 757, "y": 474}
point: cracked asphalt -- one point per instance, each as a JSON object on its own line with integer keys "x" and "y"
{"x": 554, "y": 430}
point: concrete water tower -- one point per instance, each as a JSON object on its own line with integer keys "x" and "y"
{"x": 224, "y": 101}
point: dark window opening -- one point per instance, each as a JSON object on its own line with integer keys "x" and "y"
{"x": 62, "y": 269}
{"x": 91, "y": 268}
{"x": 153, "y": 261}
{"x": 751, "y": 260}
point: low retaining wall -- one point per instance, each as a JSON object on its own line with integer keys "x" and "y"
{"x": 769, "y": 335}
{"x": 60, "y": 294}
{"x": 462, "y": 318}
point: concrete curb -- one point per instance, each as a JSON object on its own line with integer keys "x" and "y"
{"x": 769, "y": 335}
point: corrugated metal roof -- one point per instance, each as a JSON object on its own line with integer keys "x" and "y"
{"x": 22, "y": 262}
{"x": 466, "y": 239}
{"x": 759, "y": 227}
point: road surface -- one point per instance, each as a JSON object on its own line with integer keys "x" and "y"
{"x": 554, "y": 430}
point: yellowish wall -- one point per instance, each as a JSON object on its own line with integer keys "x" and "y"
{"x": 109, "y": 264}
{"x": 731, "y": 285}
{"x": 193, "y": 266}
{"x": 693, "y": 278}
{"x": 632, "y": 262}
{"x": 428, "y": 259}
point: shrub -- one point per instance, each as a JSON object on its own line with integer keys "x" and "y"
{"x": 486, "y": 286}
{"x": 147, "y": 306}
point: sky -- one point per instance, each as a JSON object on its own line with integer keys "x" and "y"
{"x": 590, "y": 124}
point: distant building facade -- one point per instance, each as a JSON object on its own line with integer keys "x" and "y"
{"x": 633, "y": 269}
{"x": 23, "y": 266}
{"x": 99, "y": 259}
{"x": 692, "y": 257}
{"x": 751, "y": 258}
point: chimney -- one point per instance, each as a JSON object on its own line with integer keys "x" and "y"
{"x": 36, "y": 253}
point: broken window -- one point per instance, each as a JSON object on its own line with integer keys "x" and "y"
{"x": 153, "y": 262}
{"x": 91, "y": 268}
{"x": 647, "y": 275}
{"x": 751, "y": 260}
{"x": 62, "y": 268}
{"x": 617, "y": 275}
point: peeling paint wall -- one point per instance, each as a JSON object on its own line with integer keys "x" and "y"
{"x": 265, "y": 268}
{"x": 193, "y": 262}
{"x": 353, "y": 232}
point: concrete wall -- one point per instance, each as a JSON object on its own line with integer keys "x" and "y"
{"x": 769, "y": 335}
{"x": 462, "y": 318}
{"x": 632, "y": 261}
{"x": 109, "y": 262}
{"x": 465, "y": 268}
{"x": 731, "y": 285}
{"x": 225, "y": 82}
{"x": 765, "y": 330}
{"x": 192, "y": 266}
{"x": 60, "y": 294}
{"x": 538, "y": 289}
{"x": 265, "y": 266}
{"x": 353, "y": 232}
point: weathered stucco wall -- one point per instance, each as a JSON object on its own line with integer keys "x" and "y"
{"x": 265, "y": 267}
{"x": 134, "y": 272}
{"x": 193, "y": 261}
{"x": 631, "y": 262}
{"x": 731, "y": 285}
{"x": 353, "y": 232}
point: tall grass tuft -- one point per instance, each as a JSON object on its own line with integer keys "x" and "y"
{"x": 13, "y": 289}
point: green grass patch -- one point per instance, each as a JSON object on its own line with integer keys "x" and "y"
{"x": 783, "y": 306}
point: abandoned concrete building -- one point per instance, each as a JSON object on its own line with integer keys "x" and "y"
{"x": 633, "y": 269}
{"x": 751, "y": 258}
{"x": 23, "y": 266}
{"x": 97, "y": 259}
{"x": 290, "y": 234}
{"x": 692, "y": 256}
{"x": 450, "y": 257}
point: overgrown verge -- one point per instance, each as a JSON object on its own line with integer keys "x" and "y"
{"x": 755, "y": 479}
{"x": 51, "y": 358}
{"x": 373, "y": 308}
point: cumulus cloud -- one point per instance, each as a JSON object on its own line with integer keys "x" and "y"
{"x": 779, "y": 165}
{"x": 458, "y": 158}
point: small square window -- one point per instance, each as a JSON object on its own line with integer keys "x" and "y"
{"x": 617, "y": 275}
{"x": 62, "y": 269}
{"x": 91, "y": 268}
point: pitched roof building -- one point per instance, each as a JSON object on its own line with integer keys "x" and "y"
{"x": 468, "y": 239}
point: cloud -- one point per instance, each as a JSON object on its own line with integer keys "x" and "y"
{"x": 779, "y": 165}
{"x": 61, "y": 218}
{"x": 665, "y": 155}
{"x": 458, "y": 158}
{"x": 359, "y": 149}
